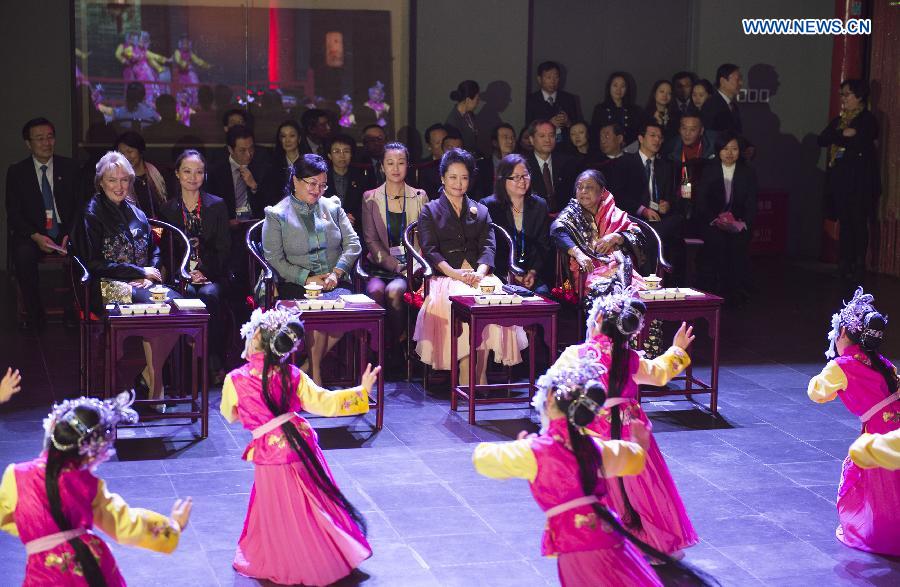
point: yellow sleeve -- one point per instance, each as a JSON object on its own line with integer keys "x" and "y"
{"x": 825, "y": 386}
{"x": 621, "y": 457}
{"x": 228, "y": 407}
{"x": 9, "y": 497}
{"x": 133, "y": 526}
{"x": 505, "y": 460}
{"x": 663, "y": 368}
{"x": 323, "y": 402}
{"x": 877, "y": 450}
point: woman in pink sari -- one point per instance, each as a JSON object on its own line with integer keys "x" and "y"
{"x": 867, "y": 383}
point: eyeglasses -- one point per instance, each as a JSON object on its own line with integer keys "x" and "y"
{"x": 313, "y": 185}
{"x": 519, "y": 178}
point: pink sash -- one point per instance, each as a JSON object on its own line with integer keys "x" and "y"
{"x": 572, "y": 503}
{"x": 51, "y": 541}
{"x": 272, "y": 424}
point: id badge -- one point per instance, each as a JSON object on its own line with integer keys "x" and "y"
{"x": 654, "y": 206}
{"x": 192, "y": 264}
{"x": 686, "y": 191}
{"x": 397, "y": 251}
{"x": 49, "y": 222}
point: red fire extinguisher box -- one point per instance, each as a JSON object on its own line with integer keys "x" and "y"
{"x": 769, "y": 235}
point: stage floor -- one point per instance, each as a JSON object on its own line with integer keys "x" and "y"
{"x": 759, "y": 485}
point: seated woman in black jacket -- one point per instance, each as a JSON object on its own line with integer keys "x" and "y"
{"x": 726, "y": 208}
{"x": 524, "y": 216}
{"x": 117, "y": 246}
{"x": 204, "y": 219}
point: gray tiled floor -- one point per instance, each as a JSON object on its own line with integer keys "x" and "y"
{"x": 759, "y": 484}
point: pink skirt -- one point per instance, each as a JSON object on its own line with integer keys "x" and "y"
{"x": 59, "y": 566}
{"x": 613, "y": 567}
{"x": 432, "y": 333}
{"x": 294, "y": 534}
{"x": 869, "y": 509}
{"x": 653, "y": 495}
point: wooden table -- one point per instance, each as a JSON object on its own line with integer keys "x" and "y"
{"x": 528, "y": 315}
{"x": 190, "y": 323}
{"x": 706, "y": 307}
{"x": 367, "y": 318}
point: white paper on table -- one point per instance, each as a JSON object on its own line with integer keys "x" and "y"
{"x": 188, "y": 304}
{"x": 357, "y": 299}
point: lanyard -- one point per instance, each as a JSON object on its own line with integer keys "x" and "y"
{"x": 197, "y": 210}
{"x": 387, "y": 211}
{"x": 520, "y": 235}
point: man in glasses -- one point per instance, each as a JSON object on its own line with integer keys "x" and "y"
{"x": 369, "y": 159}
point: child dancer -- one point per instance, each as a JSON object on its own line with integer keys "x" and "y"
{"x": 867, "y": 383}
{"x": 299, "y": 527}
{"x": 566, "y": 468}
{"x": 649, "y": 503}
{"x": 53, "y": 502}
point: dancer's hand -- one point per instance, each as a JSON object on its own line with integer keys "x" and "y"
{"x": 10, "y": 385}
{"x": 640, "y": 435}
{"x": 181, "y": 511}
{"x": 684, "y": 337}
{"x": 370, "y": 377}
{"x": 525, "y": 434}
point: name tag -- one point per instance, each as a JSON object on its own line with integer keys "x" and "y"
{"x": 192, "y": 264}
{"x": 49, "y": 222}
{"x": 686, "y": 191}
{"x": 654, "y": 206}
{"x": 397, "y": 251}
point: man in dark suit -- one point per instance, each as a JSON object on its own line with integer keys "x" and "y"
{"x": 687, "y": 155}
{"x": 369, "y": 158}
{"x": 683, "y": 84}
{"x": 551, "y": 103}
{"x": 237, "y": 179}
{"x": 316, "y": 131}
{"x": 720, "y": 112}
{"x": 425, "y": 175}
{"x": 43, "y": 204}
{"x": 552, "y": 172}
{"x": 643, "y": 186}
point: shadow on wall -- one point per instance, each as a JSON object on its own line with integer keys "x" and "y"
{"x": 496, "y": 98}
{"x": 784, "y": 163}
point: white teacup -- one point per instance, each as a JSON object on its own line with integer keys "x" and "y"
{"x": 125, "y": 310}
{"x": 327, "y": 304}
{"x": 164, "y": 308}
{"x": 339, "y": 304}
{"x": 313, "y": 290}
{"x": 494, "y": 300}
{"x": 158, "y": 293}
{"x": 505, "y": 299}
{"x": 153, "y": 309}
{"x": 653, "y": 281}
{"x": 516, "y": 299}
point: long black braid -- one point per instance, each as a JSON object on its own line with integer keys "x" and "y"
{"x": 57, "y": 460}
{"x": 618, "y": 377}
{"x": 283, "y": 342}
{"x": 590, "y": 466}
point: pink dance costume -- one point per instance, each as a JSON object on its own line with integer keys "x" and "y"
{"x": 589, "y": 552}
{"x": 25, "y": 512}
{"x": 868, "y": 500}
{"x": 293, "y": 533}
{"x": 664, "y": 522}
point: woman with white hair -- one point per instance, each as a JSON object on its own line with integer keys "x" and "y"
{"x": 116, "y": 245}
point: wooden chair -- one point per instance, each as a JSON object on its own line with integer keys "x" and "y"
{"x": 258, "y": 263}
{"x": 92, "y": 325}
{"x": 426, "y": 272}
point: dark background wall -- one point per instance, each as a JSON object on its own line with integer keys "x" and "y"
{"x": 487, "y": 40}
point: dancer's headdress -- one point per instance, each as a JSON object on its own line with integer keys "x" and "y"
{"x": 568, "y": 381}
{"x": 93, "y": 442}
{"x": 616, "y": 306}
{"x": 270, "y": 323}
{"x": 853, "y": 317}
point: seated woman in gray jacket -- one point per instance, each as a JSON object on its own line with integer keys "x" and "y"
{"x": 309, "y": 239}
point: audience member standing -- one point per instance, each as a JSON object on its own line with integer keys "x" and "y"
{"x": 661, "y": 109}
{"x": 552, "y": 172}
{"x": 852, "y": 182}
{"x": 618, "y": 106}
{"x": 551, "y": 103}
{"x": 687, "y": 155}
{"x": 720, "y": 111}
{"x": 467, "y": 97}
{"x": 683, "y": 84}
{"x": 150, "y": 190}
{"x": 701, "y": 93}
{"x": 42, "y": 204}
{"x": 316, "y": 131}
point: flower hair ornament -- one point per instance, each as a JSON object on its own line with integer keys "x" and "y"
{"x": 567, "y": 381}
{"x": 616, "y": 306}
{"x": 95, "y": 443}
{"x": 852, "y": 317}
{"x": 270, "y": 323}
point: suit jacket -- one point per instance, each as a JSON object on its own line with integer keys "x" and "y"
{"x": 563, "y": 171}
{"x": 630, "y": 186}
{"x": 536, "y": 107}
{"x": 536, "y": 229}
{"x": 694, "y": 167}
{"x": 717, "y": 115}
{"x": 372, "y": 176}
{"x": 426, "y": 175}
{"x": 607, "y": 112}
{"x": 25, "y": 202}
{"x": 444, "y": 236}
{"x": 469, "y": 135}
{"x": 711, "y": 193}
{"x": 220, "y": 182}
{"x": 215, "y": 244}
{"x": 374, "y": 223}
{"x": 352, "y": 200}
{"x": 855, "y": 173}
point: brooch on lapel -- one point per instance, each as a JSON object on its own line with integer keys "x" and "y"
{"x": 473, "y": 210}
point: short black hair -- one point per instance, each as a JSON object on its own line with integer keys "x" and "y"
{"x": 859, "y": 88}
{"x": 649, "y": 124}
{"x": 707, "y": 85}
{"x": 618, "y": 130}
{"x": 452, "y": 133}
{"x": 41, "y": 121}
{"x": 236, "y": 132}
{"x": 309, "y": 165}
{"x": 496, "y": 132}
{"x": 343, "y": 139}
{"x": 547, "y": 66}
{"x": 309, "y": 118}
{"x": 240, "y": 112}
{"x": 395, "y": 146}
{"x": 532, "y": 128}
{"x": 135, "y": 92}
{"x": 432, "y": 128}
{"x": 684, "y": 74}
{"x": 457, "y": 155}
{"x": 725, "y": 137}
{"x": 371, "y": 126}
{"x": 725, "y": 70}
{"x": 132, "y": 139}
